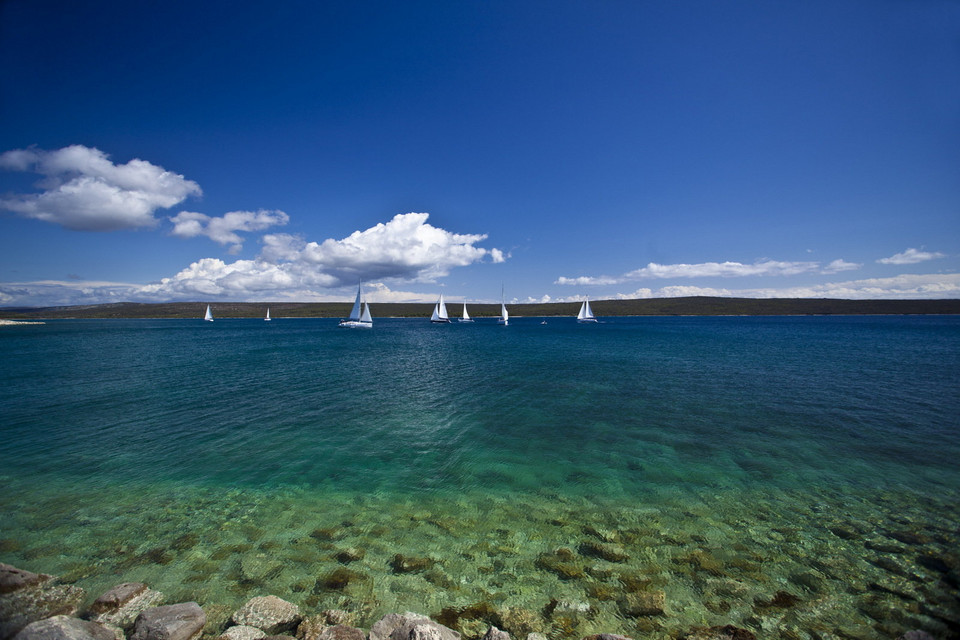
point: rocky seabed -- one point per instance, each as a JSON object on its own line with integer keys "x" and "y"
{"x": 39, "y": 607}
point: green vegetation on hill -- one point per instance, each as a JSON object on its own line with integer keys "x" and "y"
{"x": 695, "y": 306}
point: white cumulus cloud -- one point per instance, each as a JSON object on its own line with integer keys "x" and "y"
{"x": 223, "y": 230}
{"x": 911, "y": 256}
{"x": 83, "y": 190}
{"x": 405, "y": 249}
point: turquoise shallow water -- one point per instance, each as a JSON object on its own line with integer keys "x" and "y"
{"x": 796, "y": 476}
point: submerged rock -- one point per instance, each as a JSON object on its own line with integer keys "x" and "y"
{"x": 410, "y": 564}
{"x": 560, "y": 562}
{"x": 603, "y": 550}
{"x": 780, "y": 600}
{"x": 182, "y": 621}
{"x": 338, "y": 580}
{"x": 64, "y": 628}
{"x": 269, "y": 613}
{"x": 520, "y": 622}
{"x": 727, "y": 632}
{"x": 644, "y": 603}
{"x": 350, "y": 554}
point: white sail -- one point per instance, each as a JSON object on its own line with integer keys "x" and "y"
{"x": 440, "y": 312}
{"x": 267, "y": 319}
{"x": 208, "y": 316}
{"x": 586, "y": 313}
{"x": 355, "y": 311}
{"x": 359, "y": 314}
{"x": 504, "y": 316}
{"x": 466, "y": 316}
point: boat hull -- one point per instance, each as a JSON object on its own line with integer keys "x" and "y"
{"x": 355, "y": 324}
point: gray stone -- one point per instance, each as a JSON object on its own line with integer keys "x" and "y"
{"x": 242, "y": 632}
{"x": 117, "y": 597}
{"x": 342, "y": 632}
{"x": 64, "y": 628}
{"x": 536, "y": 636}
{"x": 183, "y": 621}
{"x": 916, "y": 635}
{"x": 269, "y": 613}
{"x": 13, "y": 579}
{"x": 495, "y": 634}
{"x": 410, "y": 626}
{"x": 29, "y": 597}
{"x": 607, "y": 636}
{"x": 121, "y": 605}
{"x": 386, "y": 625}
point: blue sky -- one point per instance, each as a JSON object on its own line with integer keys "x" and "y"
{"x": 285, "y": 150}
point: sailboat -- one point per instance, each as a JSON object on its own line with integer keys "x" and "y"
{"x": 359, "y": 315}
{"x": 586, "y": 313}
{"x": 208, "y": 316}
{"x": 466, "y": 316}
{"x": 267, "y": 319}
{"x": 440, "y": 312}
{"x": 504, "y": 318}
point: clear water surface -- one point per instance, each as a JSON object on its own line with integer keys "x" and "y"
{"x": 792, "y": 475}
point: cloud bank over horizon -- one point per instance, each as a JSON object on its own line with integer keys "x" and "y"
{"x": 713, "y": 270}
{"x": 406, "y": 249}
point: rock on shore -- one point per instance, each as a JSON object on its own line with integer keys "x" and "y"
{"x": 36, "y": 607}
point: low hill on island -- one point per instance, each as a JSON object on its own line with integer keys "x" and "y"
{"x": 693, "y": 306}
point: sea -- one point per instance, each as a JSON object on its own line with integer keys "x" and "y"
{"x": 797, "y": 477}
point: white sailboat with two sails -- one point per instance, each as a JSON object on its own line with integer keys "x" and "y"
{"x": 360, "y": 314}
{"x": 440, "y": 312}
{"x": 586, "y": 313}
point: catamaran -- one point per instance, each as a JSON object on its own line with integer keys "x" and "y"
{"x": 586, "y": 313}
{"x": 504, "y": 318}
{"x": 267, "y": 319}
{"x": 440, "y": 312}
{"x": 466, "y": 316}
{"x": 359, "y": 315}
{"x": 208, "y": 316}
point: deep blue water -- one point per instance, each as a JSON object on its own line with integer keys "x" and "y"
{"x": 409, "y": 406}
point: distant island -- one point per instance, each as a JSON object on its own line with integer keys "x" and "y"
{"x": 691, "y": 306}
